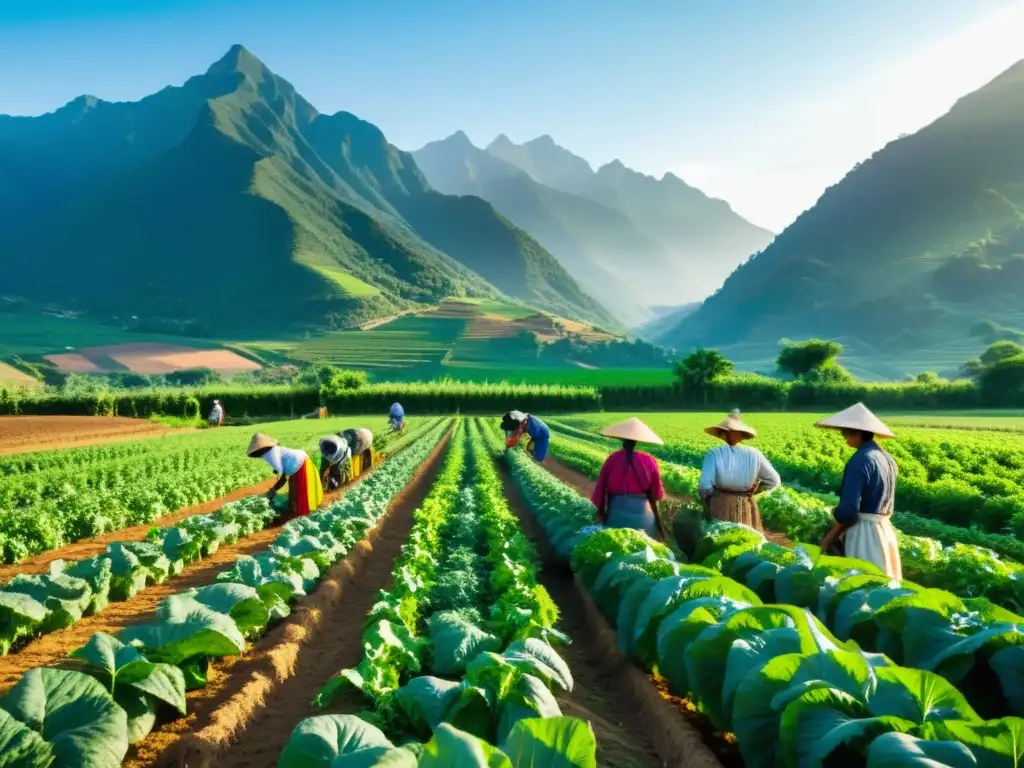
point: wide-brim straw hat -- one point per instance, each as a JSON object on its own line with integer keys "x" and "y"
{"x": 731, "y": 423}
{"x": 859, "y": 418}
{"x": 632, "y": 429}
{"x": 259, "y": 442}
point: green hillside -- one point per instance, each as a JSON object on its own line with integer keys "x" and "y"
{"x": 699, "y": 240}
{"x": 596, "y": 245}
{"x": 233, "y": 202}
{"x": 908, "y": 253}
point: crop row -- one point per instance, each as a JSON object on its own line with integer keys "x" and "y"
{"x": 87, "y": 715}
{"x": 965, "y": 569}
{"x": 963, "y": 478}
{"x": 792, "y": 692}
{"x": 457, "y": 652}
{"x": 45, "y": 510}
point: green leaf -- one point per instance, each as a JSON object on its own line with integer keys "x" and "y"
{"x": 185, "y": 631}
{"x": 538, "y": 658}
{"x": 763, "y": 694}
{"x": 822, "y": 720}
{"x": 529, "y": 698}
{"x": 1008, "y": 664}
{"x": 241, "y": 603}
{"x": 425, "y": 701}
{"x": 140, "y": 709}
{"x": 552, "y": 742}
{"x": 20, "y": 615}
{"x": 900, "y": 750}
{"x": 96, "y": 572}
{"x": 994, "y": 743}
{"x": 456, "y": 641}
{"x": 917, "y": 696}
{"x": 20, "y": 746}
{"x": 64, "y": 597}
{"x": 680, "y": 628}
{"x": 317, "y": 741}
{"x": 378, "y": 757}
{"x": 452, "y": 747}
{"x": 73, "y": 712}
{"x": 116, "y": 665}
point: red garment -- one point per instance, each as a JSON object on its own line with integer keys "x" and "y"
{"x": 298, "y": 491}
{"x": 618, "y": 477}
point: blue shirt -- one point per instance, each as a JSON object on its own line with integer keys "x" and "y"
{"x": 536, "y": 428}
{"x": 869, "y": 485}
{"x": 397, "y": 412}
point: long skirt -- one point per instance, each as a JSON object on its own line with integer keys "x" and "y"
{"x": 304, "y": 491}
{"x": 631, "y": 510}
{"x": 736, "y": 508}
{"x": 872, "y": 538}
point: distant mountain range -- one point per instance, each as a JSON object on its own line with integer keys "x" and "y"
{"x": 231, "y": 202}
{"x": 919, "y": 246}
{"x": 631, "y": 241}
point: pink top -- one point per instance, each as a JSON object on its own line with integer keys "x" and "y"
{"x": 618, "y": 477}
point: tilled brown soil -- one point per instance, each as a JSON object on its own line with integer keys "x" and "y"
{"x": 24, "y": 434}
{"x": 252, "y": 703}
{"x": 625, "y": 737}
{"x": 682, "y": 736}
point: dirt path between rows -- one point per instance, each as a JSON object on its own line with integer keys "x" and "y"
{"x": 252, "y": 703}
{"x": 623, "y": 735}
{"x": 28, "y": 434}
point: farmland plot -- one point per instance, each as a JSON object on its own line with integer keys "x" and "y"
{"x": 745, "y": 628}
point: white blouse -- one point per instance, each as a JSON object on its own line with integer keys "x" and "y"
{"x": 737, "y": 468}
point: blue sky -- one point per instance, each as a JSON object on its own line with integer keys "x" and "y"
{"x": 761, "y": 102}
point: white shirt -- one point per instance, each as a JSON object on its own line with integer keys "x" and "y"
{"x": 737, "y": 468}
{"x": 217, "y": 413}
{"x": 285, "y": 461}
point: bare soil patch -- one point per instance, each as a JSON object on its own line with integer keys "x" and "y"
{"x": 150, "y": 358}
{"x": 24, "y": 434}
{"x": 252, "y": 703}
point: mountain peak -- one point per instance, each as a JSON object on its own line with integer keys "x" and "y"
{"x": 501, "y": 140}
{"x": 544, "y": 140}
{"x": 459, "y": 139}
{"x": 238, "y": 59}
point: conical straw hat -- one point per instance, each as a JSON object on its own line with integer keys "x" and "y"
{"x": 857, "y": 417}
{"x": 260, "y": 441}
{"x": 632, "y": 429}
{"x": 730, "y": 423}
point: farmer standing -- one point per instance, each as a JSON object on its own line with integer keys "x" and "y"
{"x": 863, "y": 516}
{"x": 734, "y": 474}
{"x": 216, "y": 418}
{"x": 334, "y": 454}
{"x": 516, "y": 424}
{"x": 629, "y": 485}
{"x": 304, "y": 490}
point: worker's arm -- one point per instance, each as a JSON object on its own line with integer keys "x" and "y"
{"x": 277, "y": 486}
{"x": 658, "y": 521}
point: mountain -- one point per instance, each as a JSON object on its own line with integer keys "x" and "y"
{"x": 701, "y": 239}
{"x": 586, "y": 237}
{"x": 912, "y": 249}
{"x": 231, "y": 201}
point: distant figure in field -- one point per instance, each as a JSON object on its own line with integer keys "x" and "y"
{"x": 516, "y": 424}
{"x": 734, "y": 474}
{"x": 360, "y": 443}
{"x": 866, "y": 499}
{"x": 294, "y": 467}
{"x": 396, "y": 417}
{"x": 335, "y": 455}
{"x": 216, "y": 418}
{"x": 629, "y": 485}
